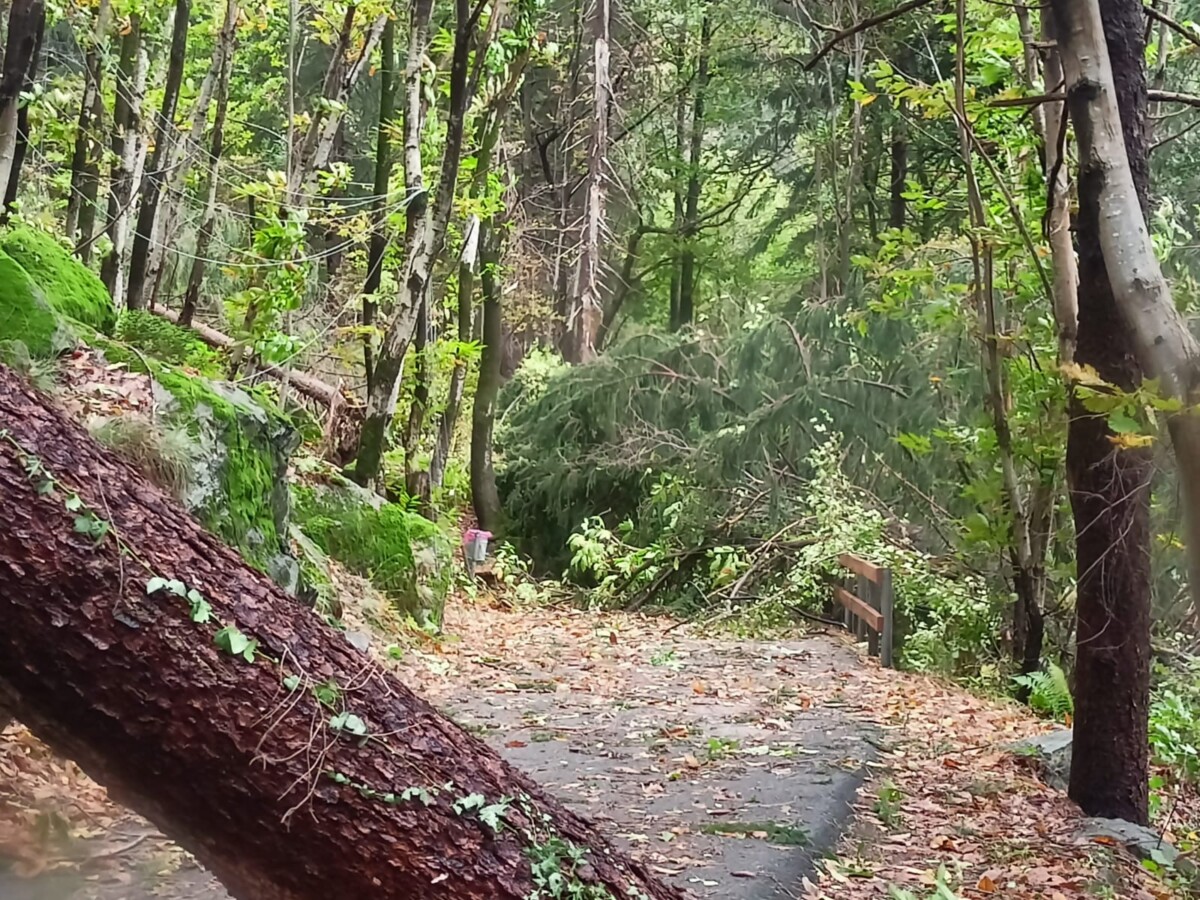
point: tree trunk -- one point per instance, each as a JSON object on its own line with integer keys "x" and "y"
{"x": 25, "y": 22}
{"x": 678, "y": 181}
{"x": 85, "y": 159}
{"x": 898, "y": 180}
{"x": 383, "y": 175}
{"x": 1109, "y": 486}
{"x": 687, "y": 265}
{"x": 14, "y": 178}
{"x": 127, "y": 112}
{"x": 227, "y": 40}
{"x": 586, "y": 306}
{"x": 164, "y": 135}
{"x": 281, "y": 797}
{"x": 493, "y": 125}
{"x": 486, "y": 499}
{"x": 424, "y": 243}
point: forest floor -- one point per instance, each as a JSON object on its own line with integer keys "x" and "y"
{"x": 736, "y": 768}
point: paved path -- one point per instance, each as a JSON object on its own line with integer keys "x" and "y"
{"x": 704, "y": 757}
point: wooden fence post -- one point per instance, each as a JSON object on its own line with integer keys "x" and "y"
{"x": 887, "y": 607}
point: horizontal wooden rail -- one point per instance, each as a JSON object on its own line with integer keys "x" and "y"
{"x": 870, "y": 612}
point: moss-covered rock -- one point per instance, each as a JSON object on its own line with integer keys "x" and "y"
{"x": 26, "y": 314}
{"x": 167, "y": 341}
{"x": 239, "y": 487}
{"x": 70, "y": 287}
{"x": 403, "y": 554}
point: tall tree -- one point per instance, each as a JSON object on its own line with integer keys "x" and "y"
{"x": 583, "y": 321}
{"x": 164, "y": 138}
{"x": 26, "y": 19}
{"x": 1109, "y": 485}
{"x": 226, "y": 43}
{"x": 425, "y": 235}
{"x": 85, "y": 159}
{"x": 126, "y": 149}
{"x": 691, "y": 212}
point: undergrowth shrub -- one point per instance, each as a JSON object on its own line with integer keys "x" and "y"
{"x": 1175, "y": 721}
{"x": 165, "y": 453}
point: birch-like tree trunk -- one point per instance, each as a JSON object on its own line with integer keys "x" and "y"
{"x": 25, "y": 22}
{"x": 126, "y": 148}
{"x": 226, "y": 43}
{"x": 164, "y": 140}
{"x": 85, "y": 158}
{"x": 425, "y": 232}
{"x": 383, "y": 174}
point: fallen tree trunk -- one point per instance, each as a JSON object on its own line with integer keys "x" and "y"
{"x": 305, "y": 384}
{"x": 292, "y": 765}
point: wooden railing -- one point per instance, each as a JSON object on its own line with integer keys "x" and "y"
{"x": 869, "y": 613}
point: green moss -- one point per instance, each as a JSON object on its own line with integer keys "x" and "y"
{"x": 241, "y": 493}
{"x": 71, "y": 288}
{"x": 168, "y": 342}
{"x": 27, "y": 315}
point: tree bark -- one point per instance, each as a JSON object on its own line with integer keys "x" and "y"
{"x": 234, "y": 758}
{"x": 898, "y": 178}
{"x": 687, "y": 265}
{"x": 1109, "y": 486}
{"x": 164, "y": 135}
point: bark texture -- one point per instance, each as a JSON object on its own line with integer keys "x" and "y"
{"x": 219, "y": 751}
{"x": 1110, "y": 487}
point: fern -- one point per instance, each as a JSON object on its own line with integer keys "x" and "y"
{"x": 1049, "y": 692}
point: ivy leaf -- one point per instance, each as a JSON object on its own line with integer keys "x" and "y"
{"x": 469, "y": 802}
{"x": 492, "y": 815}
{"x": 232, "y": 641}
{"x": 291, "y": 682}
{"x": 155, "y": 584}
{"x": 201, "y": 611}
{"x": 73, "y": 503}
{"x": 177, "y": 587}
{"x": 348, "y": 722}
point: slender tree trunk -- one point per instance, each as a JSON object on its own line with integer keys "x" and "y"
{"x": 587, "y": 306}
{"x": 1109, "y": 486}
{"x": 486, "y": 499}
{"x": 687, "y": 265}
{"x": 14, "y": 180}
{"x": 424, "y": 246}
{"x": 25, "y": 23}
{"x": 853, "y": 172}
{"x": 127, "y": 111}
{"x": 85, "y": 159}
{"x": 490, "y": 131}
{"x": 678, "y": 192}
{"x": 164, "y": 134}
{"x": 231, "y": 754}
{"x": 383, "y": 175}
{"x": 625, "y": 284}
{"x": 179, "y": 164}
{"x": 227, "y": 42}
{"x": 898, "y": 180}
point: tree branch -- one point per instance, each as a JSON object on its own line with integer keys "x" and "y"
{"x": 869, "y": 22}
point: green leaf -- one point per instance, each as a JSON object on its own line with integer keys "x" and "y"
{"x": 347, "y": 721}
{"x": 492, "y": 815}
{"x": 155, "y": 584}
{"x": 1122, "y": 423}
{"x": 73, "y": 503}
{"x": 291, "y": 682}
{"x": 177, "y": 587}
{"x": 201, "y": 611}
{"x": 234, "y": 642}
{"x": 469, "y": 802}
